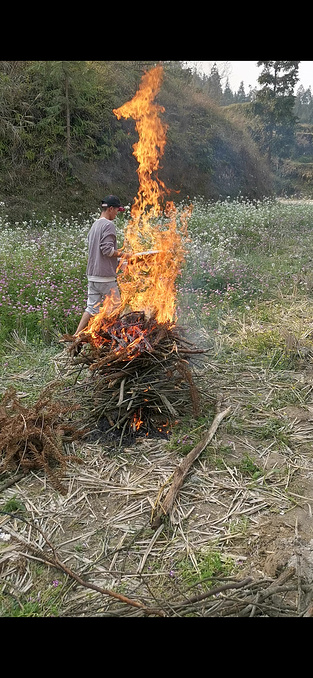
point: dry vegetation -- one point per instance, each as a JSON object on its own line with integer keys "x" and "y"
{"x": 241, "y": 519}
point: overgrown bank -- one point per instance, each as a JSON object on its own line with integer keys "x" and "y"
{"x": 62, "y": 148}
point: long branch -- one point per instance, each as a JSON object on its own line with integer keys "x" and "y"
{"x": 182, "y": 470}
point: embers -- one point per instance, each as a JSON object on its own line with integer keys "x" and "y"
{"x": 128, "y": 331}
{"x": 142, "y": 387}
{"x": 134, "y": 429}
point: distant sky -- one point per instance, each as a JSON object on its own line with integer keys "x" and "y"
{"x": 248, "y": 72}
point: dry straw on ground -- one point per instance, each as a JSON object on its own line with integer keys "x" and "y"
{"x": 101, "y": 530}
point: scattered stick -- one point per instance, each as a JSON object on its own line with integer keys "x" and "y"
{"x": 11, "y": 481}
{"x": 54, "y": 561}
{"x": 183, "y": 468}
{"x": 212, "y": 592}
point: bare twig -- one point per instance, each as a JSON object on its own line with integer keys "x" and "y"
{"x": 214, "y": 591}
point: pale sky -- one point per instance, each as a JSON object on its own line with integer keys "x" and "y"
{"x": 248, "y": 72}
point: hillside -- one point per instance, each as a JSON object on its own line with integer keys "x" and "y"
{"x": 62, "y": 148}
{"x": 291, "y": 175}
{"x": 298, "y": 170}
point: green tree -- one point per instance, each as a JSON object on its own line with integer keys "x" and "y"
{"x": 251, "y": 94}
{"x": 240, "y": 96}
{"x": 73, "y": 106}
{"x": 15, "y": 111}
{"x": 274, "y": 104}
{"x": 213, "y": 85}
{"x": 228, "y": 97}
{"x": 304, "y": 105}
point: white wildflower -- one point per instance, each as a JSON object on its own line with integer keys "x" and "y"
{"x": 4, "y": 536}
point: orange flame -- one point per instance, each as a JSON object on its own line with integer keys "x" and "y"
{"x": 136, "y": 423}
{"x": 148, "y": 150}
{"x": 147, "y": 283}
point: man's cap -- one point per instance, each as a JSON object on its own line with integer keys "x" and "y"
{"x": 112, "y": 201}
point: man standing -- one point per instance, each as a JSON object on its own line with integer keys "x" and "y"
{"x": 102, "y": 259}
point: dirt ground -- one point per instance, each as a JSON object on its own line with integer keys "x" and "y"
{"x": 101, "y": 527}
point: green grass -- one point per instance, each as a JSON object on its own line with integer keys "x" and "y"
{"x": 209, "y": 565}
{"x": 13, "y": 505}
{"x": 240, "y": 254}
{"x": 43, "y": 275}
{"x": 41, "y": 602}
{"x": 248, "y": 467}
{"x": 27, "y": 366}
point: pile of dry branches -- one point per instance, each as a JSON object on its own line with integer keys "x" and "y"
{"x": 32, "y": 437}
{"x": 286, "y": 596}
{"x": 142, "y": 376}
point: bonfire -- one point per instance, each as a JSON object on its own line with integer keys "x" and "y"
{"x": 135, "y": 349}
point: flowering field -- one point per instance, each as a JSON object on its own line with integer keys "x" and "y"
{"x": 239, "y": 253}
{"x": 242, "y": 253}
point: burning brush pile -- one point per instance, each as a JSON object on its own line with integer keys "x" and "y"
{"x": 142, "y": 380}
{"x": 139, "y": 359}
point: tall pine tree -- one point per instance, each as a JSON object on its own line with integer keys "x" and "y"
{"x": 240, "y": 96}
{"x": 304, "y": 105}
{"x": 228, "y": 97}
{"x": 214, "y": 87}
{"x": 275, "y": 105}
